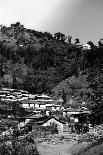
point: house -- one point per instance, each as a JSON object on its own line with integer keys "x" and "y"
{"x": 33, "y": 104}
{"x": 26, "y": 104}
{"x": 51, "y": 121}
{"x": 42, "y": 102}
{"x": 43, "y": 98}
{"x": 26, "y": 119}
{"x": 39, "y": 102}
{"x": 86, "y": 47}
{"x": 40, "y": 105}
{"x": 76, "y": 115}
{"x": 58, "y": 105}
{"x": 48, "y": 121}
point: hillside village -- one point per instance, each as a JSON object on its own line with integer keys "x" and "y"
{"x": 50, "y": 88}
{"x": 43, "y": 115}
{"x": 40, "y": 104}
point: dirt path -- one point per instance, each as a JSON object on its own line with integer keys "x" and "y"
{"x": 54, "y": 149}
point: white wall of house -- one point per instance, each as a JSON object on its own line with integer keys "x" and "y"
{"x": 59, "y": 124}
{"x": 32, "y": 105}
{"x": 36, "y": 105}
{"x": 64, "y": 113}
{"x": 53, "y": 108}
{"x": 47, "y": 113}
{"x": 58, "y": 108}
{"x": 73, "y": 112}
{"x": 49, "y": 105}
{"x": 21, "y": 124}
{"x": 27, "y": 120}
{"x": 25, "y": 105}
{"x": 42, "y": 106}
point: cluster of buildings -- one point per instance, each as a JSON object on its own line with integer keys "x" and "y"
{"x": 63, "y": 124}
{"x": 43, "y": 102}
{"x": 29, "y": 101}
{"x": 7, "y": 94}
{"x": 38, "y": 104}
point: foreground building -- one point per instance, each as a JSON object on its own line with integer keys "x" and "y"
{"x": 44, "y": 121}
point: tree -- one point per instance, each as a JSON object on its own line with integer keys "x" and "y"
{"x": 77, "y": 41}
{"x": 96, "y": 83}
{"x": 100, "y": 43}
{"x": 1, "y": 70}
{"x": 15, "y": 108}
{"x": 48, "y": 35}
{"x": 59, "y": 36}
{"x": 69, "y": 39}
{"x": 91, "y": 44}
{"x": 17, "y": 24}
{"x": 14, "y": 82}
{"x": 64, "y": 94}
{"x": 63, "y": 38}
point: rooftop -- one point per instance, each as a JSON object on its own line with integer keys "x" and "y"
{"x": 43, "y": 119}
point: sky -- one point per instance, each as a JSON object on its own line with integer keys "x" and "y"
{"x": 82, "y": 19}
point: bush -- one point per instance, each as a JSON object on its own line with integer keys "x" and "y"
{"x": 23, "y": 146}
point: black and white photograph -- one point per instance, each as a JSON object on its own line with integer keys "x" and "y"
{"x": 51, "y": 77}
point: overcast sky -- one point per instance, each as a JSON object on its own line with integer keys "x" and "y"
{"x": 82, "y": 19}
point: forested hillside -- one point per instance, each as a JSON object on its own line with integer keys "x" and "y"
{"x": 37, "y": 62}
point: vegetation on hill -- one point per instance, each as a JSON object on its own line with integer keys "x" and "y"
{"x": 37, "y": 62}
